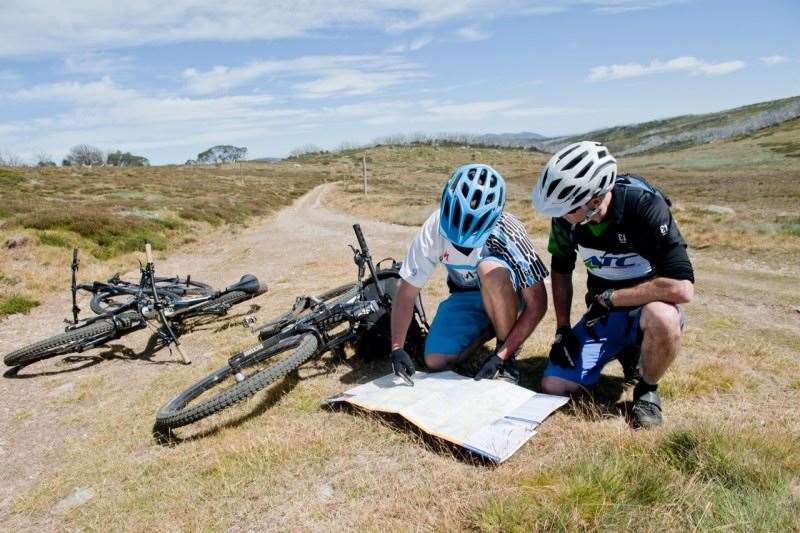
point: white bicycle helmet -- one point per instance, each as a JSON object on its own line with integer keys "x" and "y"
{"x": 573, "y": 176}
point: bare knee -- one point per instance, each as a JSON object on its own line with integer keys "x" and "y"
{"x": 438, "y": 362}
{"x": 558, "y": 386}
{"x": 661, "y": 320}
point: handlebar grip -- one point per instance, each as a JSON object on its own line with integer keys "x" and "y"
{"x": 148, "y": 252}
{"x": 360, "y": 236}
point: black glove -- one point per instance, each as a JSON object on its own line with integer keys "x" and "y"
{"x": 490, "y": 367}
{"x": 599, "y": 308}
{"x": 565, "y": 348}
{"x": 401, "y": 362}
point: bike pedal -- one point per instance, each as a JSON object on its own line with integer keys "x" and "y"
{"x": 248, "y": 321}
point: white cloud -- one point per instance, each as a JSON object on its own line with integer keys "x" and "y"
{"x": 32, "y": 27}
{"x": 97, "y": 92}
{"x": 774, "y": 60}
{"x": 689, "y": 64}
{"x": 472, "y": 33}
{"x": 413, "y": 46}
{"x": 624, "y": 6}
{"x": 92, "y": 62}
{"x": 325, "y": 75}
{"x": 469, "y": 110}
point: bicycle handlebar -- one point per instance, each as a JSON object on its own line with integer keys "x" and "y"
{"x": 362, "y": 242}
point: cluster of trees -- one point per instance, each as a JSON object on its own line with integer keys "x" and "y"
{"x": 81, "y": 154}
{"x": 220, "y": 154}
{"x": 88, "y": 155}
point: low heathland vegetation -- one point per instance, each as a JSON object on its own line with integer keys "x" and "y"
{"x": 111, "y": 212}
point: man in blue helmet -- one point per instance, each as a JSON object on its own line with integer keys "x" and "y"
{"x": 494, "y": 275}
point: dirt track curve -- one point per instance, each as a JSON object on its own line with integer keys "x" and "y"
{"x": 302, "y": 246}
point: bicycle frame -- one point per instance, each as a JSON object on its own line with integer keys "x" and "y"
{"x": 324, "y": 320}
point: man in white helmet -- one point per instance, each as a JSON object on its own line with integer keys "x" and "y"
{"x": 638, "y": 273}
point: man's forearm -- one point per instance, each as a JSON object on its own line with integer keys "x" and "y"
{"x": 535, "y": 308}
{"x": 402, "y": 312}
{"x": 562, "y": 297}
{"x": 669, "y": 290}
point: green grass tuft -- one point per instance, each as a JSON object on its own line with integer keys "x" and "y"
{"x": 11, "y": 305}
{"x": 49, "y": 238}
{"x": 687, "y": 479}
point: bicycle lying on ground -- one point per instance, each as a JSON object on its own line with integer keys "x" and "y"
{"x": 357, "y": 313}
{"x": 122, "y": 307}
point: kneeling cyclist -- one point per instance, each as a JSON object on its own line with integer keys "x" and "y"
{"x": 638, "y": 273}
{"x": 494, "y": 275}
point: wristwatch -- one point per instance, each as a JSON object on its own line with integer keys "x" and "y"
{"x": 606, "y": 298}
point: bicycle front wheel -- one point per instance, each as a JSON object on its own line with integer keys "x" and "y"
{"x": 221, "y": 389}
{"x": 70, "y": 341}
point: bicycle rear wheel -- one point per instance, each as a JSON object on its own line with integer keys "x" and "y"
{"x": 220, "y": 389}
{"x": 70, "y": 341}
{"x": 217, "y": 305}
{"x": 106, "y": 301}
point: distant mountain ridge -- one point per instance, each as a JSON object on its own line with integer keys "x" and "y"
{"x": 685, "y": 130}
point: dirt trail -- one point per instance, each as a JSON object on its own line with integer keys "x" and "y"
{"x": 302, "y": 246}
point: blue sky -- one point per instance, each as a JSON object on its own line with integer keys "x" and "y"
{"x": 169, "y": 80}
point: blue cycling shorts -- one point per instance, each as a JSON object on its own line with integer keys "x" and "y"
{"x": 458, "y": 321}
{"x": 620, "y": 331}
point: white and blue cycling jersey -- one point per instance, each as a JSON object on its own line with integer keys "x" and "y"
{"x": 508, "y": 244}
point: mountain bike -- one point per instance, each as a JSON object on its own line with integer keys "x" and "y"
{"x": 122, "y": 307}
{"x": 356, "y": 313}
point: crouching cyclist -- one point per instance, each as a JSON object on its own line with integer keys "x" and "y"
{"x": 494, "y": 275}
{"x": 638, "y": 273}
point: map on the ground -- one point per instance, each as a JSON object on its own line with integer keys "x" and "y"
{"x": 491, "y": 418}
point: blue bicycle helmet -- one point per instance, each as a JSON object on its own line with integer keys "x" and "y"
{"x": 472, "y": 202}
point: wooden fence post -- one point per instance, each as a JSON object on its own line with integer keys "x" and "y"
{"x": 364, "y": 171}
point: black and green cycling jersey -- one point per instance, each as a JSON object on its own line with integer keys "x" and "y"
{"x": 638, "y": 240}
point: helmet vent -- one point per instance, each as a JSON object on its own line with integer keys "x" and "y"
{"x": 572, "y": 164}
{"x": 471, "y": 174}
{"x": 603, "y": 182}
{"x": 481, "y": 225}
{"x": 446, "y": 208}
{"x": 562, "y": 156}
{"x": 579, "y": 197}
{"x": 476, "y": 200}
{"x": 544, "y": 178}
{"x": 565, "y": 192}
{"x": 464, "y": 190}
{"x": 482, "y": 177}
{"x": 493, "y": 181}
{"x": 584, "y": 170}
{"x": 601, "y": 154}
{"x": 552, "y": 187}
{"x": 489, "y": 198}
{"x": 456, "y": 213}
{"x": 467, "y": 223}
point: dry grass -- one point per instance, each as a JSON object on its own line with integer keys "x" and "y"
{"x": 109, "y": 213}
{"x": 728, "y": 457}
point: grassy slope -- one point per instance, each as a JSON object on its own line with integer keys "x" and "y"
{"x": 110, "y": 212}
{"x": 755, "y": 176}
{"x": 622, "y": 138}
{"x": 728, "y": 457}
